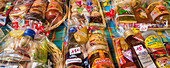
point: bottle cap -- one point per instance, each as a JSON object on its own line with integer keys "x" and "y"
{"x": 29, "y": 32}
{"x": 72, "y": 29}
{"x": 128, "y": 32}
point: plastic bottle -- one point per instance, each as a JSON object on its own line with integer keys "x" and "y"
{"x": 141, "y": 57}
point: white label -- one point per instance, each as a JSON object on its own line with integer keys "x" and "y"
{"x": 74, "y": 51}
{"x": 74, "y": 60}
{"x": 143, "y": 27}
{"x": 139, "y": 49}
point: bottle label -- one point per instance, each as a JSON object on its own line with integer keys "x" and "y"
{"x": 105, "y": 62}
{"x": 158, "y": 10}
{"x": 75, "y": 50}
{"x": 97, "y": 39}
{"x": 142, "y": 13}
{"x": 74, "y": 57}
{"x": 144, "y": 57}
{"x": 73, "y": 60}
{"x": 153, "y": 41}
{"x": 100, "y": 59}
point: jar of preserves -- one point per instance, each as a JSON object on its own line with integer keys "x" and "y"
{"x": 100, "y": 59}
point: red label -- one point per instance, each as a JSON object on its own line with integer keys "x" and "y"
{"x": 99, "y": 62}
{"x": 75, "y": 50}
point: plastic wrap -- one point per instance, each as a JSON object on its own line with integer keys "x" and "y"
{"x": 54, "y": 12}
{"x": 20, "y": 10}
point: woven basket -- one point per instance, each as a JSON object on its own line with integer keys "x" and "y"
{"x": 60, "y": 22}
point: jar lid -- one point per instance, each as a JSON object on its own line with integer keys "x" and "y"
{"x": 72, "y": 29}
{"x": 128, "y": 32}
{"x": 29, "y": 32}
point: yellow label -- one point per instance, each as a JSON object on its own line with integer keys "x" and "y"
{"x": 153, "y": 41}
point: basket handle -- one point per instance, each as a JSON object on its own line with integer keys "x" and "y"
{"x": 152, "y": 4}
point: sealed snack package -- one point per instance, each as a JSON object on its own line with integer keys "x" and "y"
{"x": 81, "y": 35}
{"x": 20, "y": 10}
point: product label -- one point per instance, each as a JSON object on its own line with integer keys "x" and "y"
{"x": 73, "y": 60}
{"x": 74, "y": 57}
{"x": 153, "y": 41}
{"x": 163, "y": 62}
{"x": 75, "y": 50}
{"x": 143, "y": 28}
{"x": 158, "y": 10}
{"x": 144, "y": 57}
{"x": 97, "y": 39}
{"x": 102, "y": 62}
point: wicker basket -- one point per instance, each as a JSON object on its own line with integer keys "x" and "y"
{"x": 97, "y": 26}
{"x": 60, "y": 22}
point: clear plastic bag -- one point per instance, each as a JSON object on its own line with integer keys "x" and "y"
{"x": 20, "y": 9}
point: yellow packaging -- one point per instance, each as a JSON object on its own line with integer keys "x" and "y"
{"x": 153, "y": 41}
{"x": 81, "y": 35}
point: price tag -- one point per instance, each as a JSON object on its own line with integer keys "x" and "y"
{"x": 143, "y": 27}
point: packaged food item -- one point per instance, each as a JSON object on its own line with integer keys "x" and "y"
{"x": 155, "y": 46}
{"x": 140, "y": 54}
{"x": 159, "y": 13}
{"x": 20, "y": 10}
{"x": 19, "y": 49}
{"x": 81, "y": 35}
{"x": 96, "y": 41}
{"x": 54, "y": 12}
{"x": 74, "y": 55}
{"x": 125, "y": 56}
{"x": 74, "y": 51}
{"x": 100, "y": 59}
{"x": 125, "y": 14}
